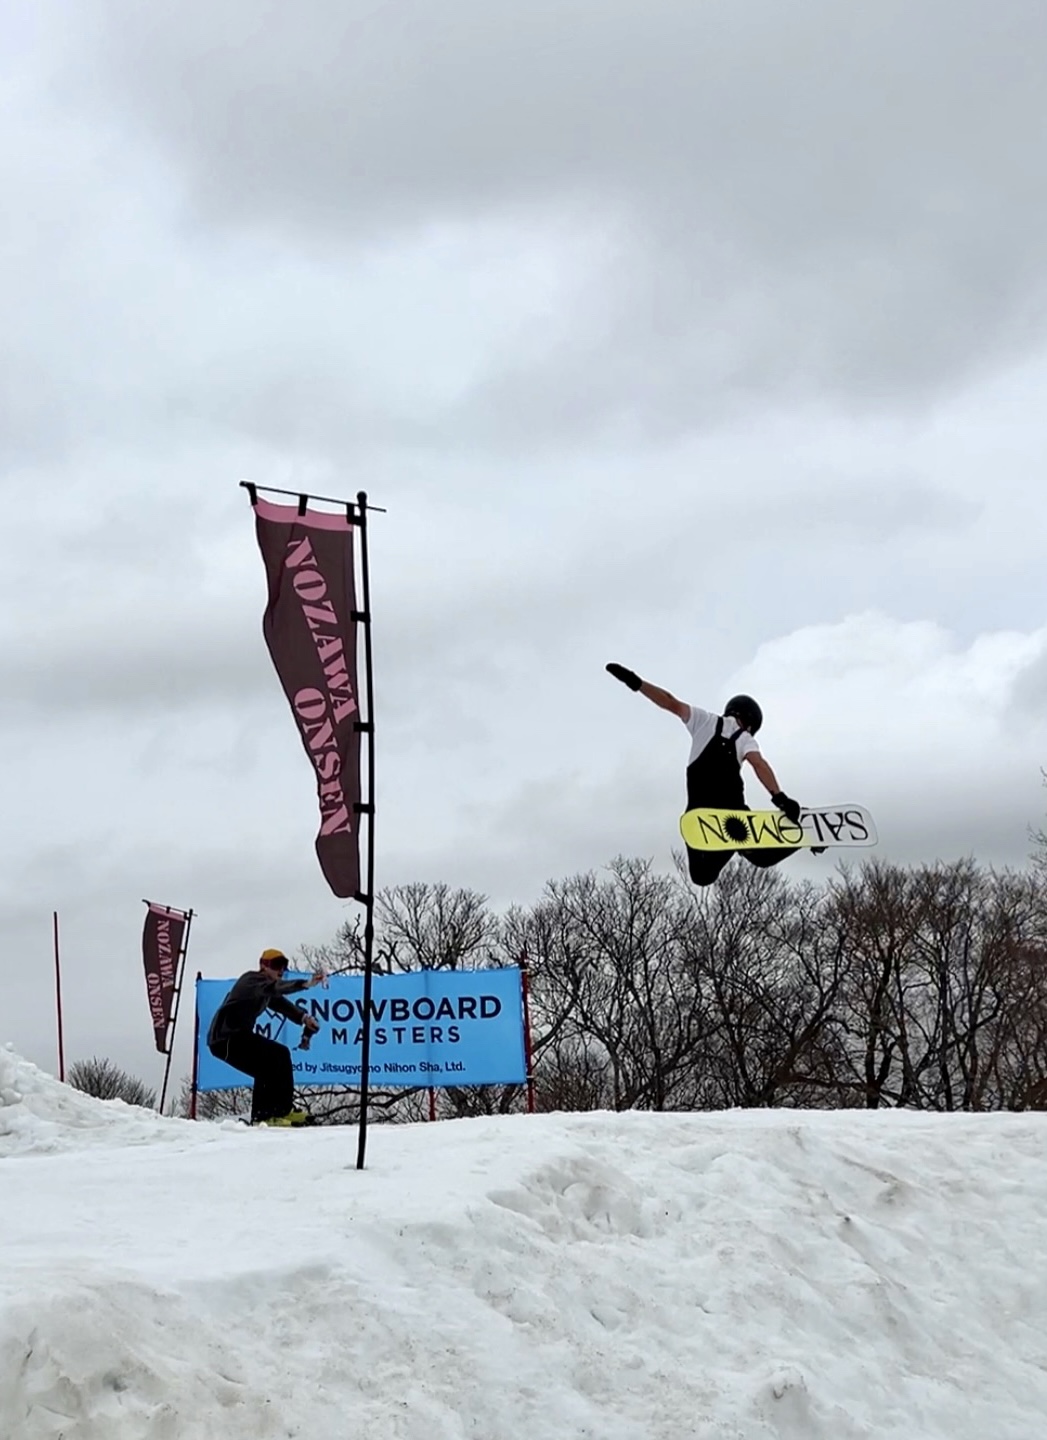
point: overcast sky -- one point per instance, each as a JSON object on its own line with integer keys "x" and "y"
{"x": 708, "y": 338}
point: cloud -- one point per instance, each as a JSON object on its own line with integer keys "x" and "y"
{"x": 708, "y": 339}
{"x": 497, "y": 786}
{"x": 764, "y": 199}
{"x": 906, "y": 719}
{"x": 400, "y": 259}
{"x": 1029, "y": 687}
{"x": 897, "y": 715}
{"x": 371, "y": 114}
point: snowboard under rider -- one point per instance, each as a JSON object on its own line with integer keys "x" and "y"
{"x": 232, "y": 1036}
{"x": 714, "y": 769}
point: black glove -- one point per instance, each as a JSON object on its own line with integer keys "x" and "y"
{"x": 627, "y": 677}
{"x": 788, "y": 807}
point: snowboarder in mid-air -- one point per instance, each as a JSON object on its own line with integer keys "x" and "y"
{"x": 720, "y": 745}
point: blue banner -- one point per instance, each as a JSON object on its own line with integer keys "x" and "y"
{"x": 431, "y": 1027}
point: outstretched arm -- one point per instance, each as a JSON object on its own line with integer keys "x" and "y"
{"x": 769, "y": 780}
{"x": 766, "y": 776}
{"x": 665, "y": 700}
{"x": 662, "y": 698}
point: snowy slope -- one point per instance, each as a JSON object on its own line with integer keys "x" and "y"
{"x": 619, "y": 1277}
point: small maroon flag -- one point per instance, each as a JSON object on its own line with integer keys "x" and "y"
{"x": 161, "y": 946}
{"x": 310, "y": 629}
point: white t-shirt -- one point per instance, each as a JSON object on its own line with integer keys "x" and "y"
{"x": 702, "y": 725}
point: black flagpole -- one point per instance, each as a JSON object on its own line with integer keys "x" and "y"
{"x": 177, "y": 1000}
{"x": 366, "y": 727}
{"x": 368, "y": 810}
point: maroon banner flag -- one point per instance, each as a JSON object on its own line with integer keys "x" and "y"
{"x": 161, "y": 947}
{"x": 310, "y": 629}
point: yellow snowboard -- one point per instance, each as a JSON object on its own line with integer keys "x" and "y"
{"x": 828, "y": 826}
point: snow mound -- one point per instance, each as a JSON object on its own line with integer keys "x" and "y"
{"x": 40, "y": 1115}
{"x": 740, "y": 1276}
{"x": 98, "y": 1357}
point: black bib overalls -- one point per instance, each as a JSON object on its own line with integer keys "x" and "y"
{"x": 714, "y": 779}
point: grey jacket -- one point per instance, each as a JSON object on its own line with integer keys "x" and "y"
{"x": 251, "y": 994}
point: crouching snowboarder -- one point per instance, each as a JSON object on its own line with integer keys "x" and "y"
{"x": 232, "y": 1036}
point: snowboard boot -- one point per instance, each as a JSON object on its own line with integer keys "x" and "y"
{"x": 293, "y": 1117}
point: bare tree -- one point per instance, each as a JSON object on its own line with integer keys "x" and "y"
{"x": 971, "y": 925}
{"x": 104, "y": 1079}
{"x": 771, "y": 971}
{"x": 939, "y": 986}
{"x": 871, "y": 909}
{"x": 922, "y": 987}
{"x": 432, "y": 927}
{"x": 213, "y": 1104}
{"x": 1011, "y": 1064}
{"x": 1039, "y": 839}
{"x": 611, "y": 992}
{"x": 419, "y": 926}
{"x": 572, "y": 1074}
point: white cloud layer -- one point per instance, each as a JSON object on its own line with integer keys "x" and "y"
{"x": 708, "y": 340}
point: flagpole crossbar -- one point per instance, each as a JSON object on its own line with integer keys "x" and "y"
{"x": 167, "y": 909}
{"x": 351, "y": 506}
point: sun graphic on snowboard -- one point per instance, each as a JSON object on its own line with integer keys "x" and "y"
{"x": 737, "y": 828}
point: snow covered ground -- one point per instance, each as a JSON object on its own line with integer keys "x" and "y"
{"x": 618, "y": 1277}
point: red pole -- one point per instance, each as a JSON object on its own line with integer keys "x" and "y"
{"x": 432, "y": 1103}
{"x": 58, "y": 1002}
{"x": 196, "y": 1048}
{"x": 525, "y": 991}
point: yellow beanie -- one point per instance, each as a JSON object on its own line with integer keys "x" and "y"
{"x": 273, "y": 955}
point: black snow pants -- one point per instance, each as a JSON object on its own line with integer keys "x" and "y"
{"x": 269, "y": 1063}
{"x": 714, "y": 780}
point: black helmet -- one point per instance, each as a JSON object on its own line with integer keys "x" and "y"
{"x": 745, "y": 710}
